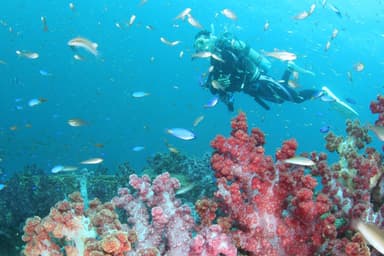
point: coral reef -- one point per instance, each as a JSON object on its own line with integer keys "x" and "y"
{"x": 69, "y": 228}
{"x": 377, "y": 107}
{"x": 272, "y": 207}
{"x": 192, "y": 172}
{"x": 262, "y": 205}
{"x": 32, "y": 192}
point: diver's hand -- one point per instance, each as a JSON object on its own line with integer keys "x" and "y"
{"x": 228, "y": 99}
{"x": 230, "y": 105}
{"x": 224, "y": 80}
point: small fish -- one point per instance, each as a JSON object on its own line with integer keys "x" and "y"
{"x": 229, "y": 14}
{"x": 302, "y": 15}
{"x": 281, "y": 55}
{"x": 96, "y": 160}
{"x": 327, "y": 46}
{"x": 63, "y": 168}
{"x": 131, "y": 20}
{"x": 44, "y": 72}
{"x": 194, "y": 22}
{"x": 181, "y": 54}
{"x": 359, "y": 66}
{"x": 299, "y": 160}
{"x": 349, "y": 76}
{"x": 212, "y": 102}
{"x": 44, "y": 21}
{"x": 181, "y": 133}
{"x": 140, "y": 94}
{"x": 57, "y": 168}
{"x": 378, "y": 130}
{"x": 184, "y": 13}
{"x": 173, "y": 150}
{"x": 325, "y": 129}
{"x": 27, "y": 54}
{"x": 76, "y": 122}
{"x": 335, "y": 9}
{"x": 71, "y": 6}
{"x": 78, "y": 57}
{"x": 99, "y": 145}
{"x": 266, "y": 25}
{"x": 312, "y": 9}
{"x": 2, "y": 62}
{"x": 323, "y": 3}
{"x": 138, "y": 148}
{"x": 149, "y": 27}
{"x": 217, "y": 85}
{"x": 371, "y": 233}
{"x": 185, "y": 189}
{"x": 198, "y": 120}
{"x": 216, "y": 57}
{"x": 170, "y": 43}
{"x": 34, "y": 102}
{"x": 201, "y": 55}
{"x": 335, "y": 32}
{"x": 81, "y": 42}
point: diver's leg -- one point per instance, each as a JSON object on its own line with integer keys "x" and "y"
{"x": 261, "y": 103}
{"x": 254, "y": 90}
{"x": 285, "y": 77}
{"x": 275, "y": 91}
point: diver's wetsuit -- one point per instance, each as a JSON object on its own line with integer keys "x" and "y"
{"x": 267, "y": 88}
{"x": 245, "y": 75}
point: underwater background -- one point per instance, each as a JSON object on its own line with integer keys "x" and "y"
{"x": 132, "y": 58}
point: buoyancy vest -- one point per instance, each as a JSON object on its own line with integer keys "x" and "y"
{"x": 237, "y": 64}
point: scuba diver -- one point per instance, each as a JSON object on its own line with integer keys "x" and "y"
{"x": 236, "y": 67}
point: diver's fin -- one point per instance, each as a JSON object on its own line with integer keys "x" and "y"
{"x": 340, "y": 103}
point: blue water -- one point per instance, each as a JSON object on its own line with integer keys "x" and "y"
{"x": 98, "y": 89}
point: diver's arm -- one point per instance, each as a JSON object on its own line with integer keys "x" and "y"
{"x": 227, "y": 99}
